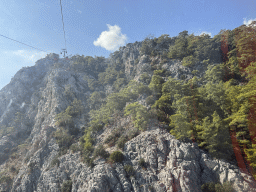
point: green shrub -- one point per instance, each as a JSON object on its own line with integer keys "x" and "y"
{"x": 151, "y": 188}
{"x": 206, "y": 62}
{"x": 96, "y": 100}
{"x": 23, "y": 146}
{"x": 63, "y": 119}
{"x": 183, "y": 77}
{"x": 154, "y": 63}
{"x": 27, "y": 159}
{"x": 117, "y": 156}
{"x": 75, "y": 148}
{"x": 55, "y": 161}
{"x": 75, "y": 109}
{"x": 62, "y": 151}
{"x": 5, "y": 179}
{"x": 194, "y": 72}
{"x": 208, "y": 187}
{"x": 159, "y": 114}
{"x": 145, "y": 78}
{"x": 19, "y": 117}
{"x": 153, "y": 53}
{"x": 156, "y": 84}
{"x": 74, "y": 131}
{"x": 180, "y": 48}
{"x": 88, "y": 141}
{"x": 96, "y": 126}
{"x": 100, "y": 151}
{"x": 153, "y": 112}
{"x": 57, "y": 65}
{"x": 81, "y": 142}
{"x": 64, "y": 139}
{"x": 217, "y": 187}
{"x": 31, "y": 167}
{"x": 112, "y": 139}
{"x": 142, "y": 163}
{"x": 121, "y": 141}
{"x": 89, "y": 162}
{"x": 150, "y": 100}
{"x": 13, "y": 169}
{"x": 154, "y": 67}
{"x": 140, "y": 116}
{"x": 87, "y": 64}
{"x": 147, "y": 46}
{"x": 119, "y": 83}
{"x": 189, "y": 61}
{"x": 129, "y": 170}
{"x": 92, "y": 84}
{"x": 66, "y": 186}
{"x": 160, "y": 72}
{"x": 163, "y": 61}
{"x": 118, "y": 131}
{"x": 14, "y": 155}
{"x": 110, "y": 76}
{"x": 87, "y": 148}
{"x": 225, "y": 187}
{"x": 133, "y": 133}
{"x": 68, "y": 92}
{"x": 5, "y": 130}
{"x": 116, "y": 102}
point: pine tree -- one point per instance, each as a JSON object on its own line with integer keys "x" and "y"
{"x": 139, "y": 114}
{"x": 156, "y": 85}
{"x": 75, "y": 109}
{"x": 246, "y": 47}
{"x": 215, "y": 137}
{"x": 179, "y": 50}
{"x": 181, "y": 126}
{"x": 251, "y": 157}
{"x": 249, "y": 92}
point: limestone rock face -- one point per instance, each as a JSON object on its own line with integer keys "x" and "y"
{"x": 170, "y": 166}
{"x": 38, "y": 92}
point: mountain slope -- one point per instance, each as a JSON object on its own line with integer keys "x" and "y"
{"x": 63, "y": 120}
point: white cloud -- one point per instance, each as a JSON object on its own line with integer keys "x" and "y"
{"x": 198, "y": 33}
{"x": 248, "y": 22}
{"x": 204, "y": 32}
{"x": 30, "y": 56}
{"x": 112, "y": 39}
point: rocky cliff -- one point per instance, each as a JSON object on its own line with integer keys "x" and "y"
{"x": 31, "y": 157}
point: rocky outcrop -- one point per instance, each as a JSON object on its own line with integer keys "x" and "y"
{"x": 38, "y": 93}
{"x": 171, "y": 166}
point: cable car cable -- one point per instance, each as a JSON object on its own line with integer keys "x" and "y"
{"x": 22, "y": 43}
{"x": 63, "y": 24}
{"x": 41, "y": 49}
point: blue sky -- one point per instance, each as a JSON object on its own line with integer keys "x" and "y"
{"x": 99, "y": 27}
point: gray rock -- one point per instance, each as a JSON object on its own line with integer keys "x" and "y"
{"x": 171, "y": 166}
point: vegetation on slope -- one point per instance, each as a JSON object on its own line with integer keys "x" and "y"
{"x": 182, "y": 105}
